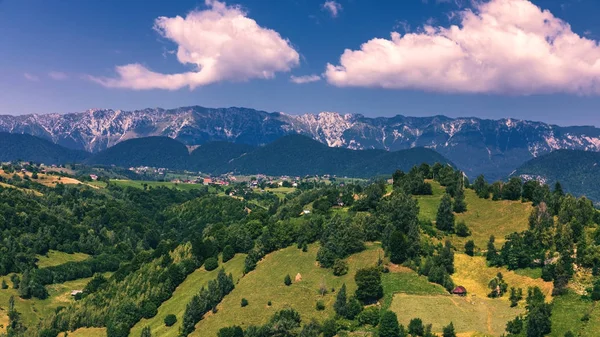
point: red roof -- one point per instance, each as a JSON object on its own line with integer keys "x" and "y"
{"x": 459, "y": 290}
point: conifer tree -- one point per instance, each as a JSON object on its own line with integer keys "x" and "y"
{"x": 444, "y": 220}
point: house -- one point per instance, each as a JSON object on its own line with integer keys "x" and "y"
{"x": 460, "y": 291}
{"x": 305, "y": 212}
{"x": 93, "y": 177}
{"x": 207, "y": 181}
{"x": 76, "y": 292}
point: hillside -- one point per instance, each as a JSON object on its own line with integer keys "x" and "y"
{"x": 477, "y": 146}
{"x": 577, "y": 171}
{"x": 213, "y": 156}
{"x": 30, "y": 148}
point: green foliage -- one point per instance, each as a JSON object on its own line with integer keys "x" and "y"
{"x": 146, "y": 332}
{"x": 170, "y": 320}
{"x": 460, "y": 205}
{"x": 497, "y": 286}
{"x": 538, "y": 314}
{"x": 470, "y": 247}
{"x": 369, "y": 316}
{"x": 515, "y": 326}
{"x": 244, "y": 302}
{"x": 4, "y": 284}
{"x": 287, "y": 280}
{"x": 415, "y": 327}
{"x": 211, "y": 263}
{"x": 388, "y": 325}
{"x": 340, "y": 267}
{"x": 232, "y": 331}
{"x": 228, "y": 253}
{"x": 462, "y": 230}
{"x": 444, "y": 220}
{"x": 22, "y": 146}
{"x": 448, "y": 331}
{"x": 320, "y": 306}
{"x": 515, "y": 296}
{"x": 368, "y": 282}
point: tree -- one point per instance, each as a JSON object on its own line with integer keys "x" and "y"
{"x": 329, "y": 328}
{"x": 397, "y": 247}
{"x": 515, "y": 296}
{"x": 462, "y": 230}
{"x": 4, "y": 285}
{"x": 368, "y": 281}
{"x": 497, "y": 286}
{"x": 481, "y": 188}
{"x": 460, "y": 206}
{"x": 470, "y": 247}
{"x": 170, "y": 319}
{"x": 287, "y": 280}
{"x": 244, "y": 302}
{"x": 444, "y": 220}
{"x": 515, "y": 326}
{"x": 341, "y": 301}
{"x": 448, "y": 331}
{"x": 388, "y": 325}
{"x": 512, "y": 189}
{"x": 596, "y": 291}
{"x": 415, "y": 327}
{"x": 211, "y": 263}
{"x": 228, "y": 253}
{"x": 492, "y": 255}
{"x": 538, "y": 313}
{"x": 340, "y": 267}
{"x": 146, "y": 332}
{"x": 16, "y": 281}
{"x": 231, "y": 331}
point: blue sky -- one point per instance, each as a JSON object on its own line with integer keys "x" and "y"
{"x": 61, "y": 56}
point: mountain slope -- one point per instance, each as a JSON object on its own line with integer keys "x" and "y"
{"x": 30, "y": 148}
{"x": 577, "y": 171}
{"x": 211, "y": 157}
{"x": 477, "y": 146}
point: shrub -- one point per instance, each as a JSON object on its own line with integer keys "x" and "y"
{"x": 340, "y": 267}
{"x": 170, "y": 319}
{"x": 470, "y": 248}
{"x": 4, "y": 285}
{"x": 231, "y": 331}
{"x": 228, "y": 253}
{"x": 462, "y": 230}
{"x": 211, "y": 263}
{"x": 320, "y": 305}
{"x": 269, "y": 303}
{"x": 287, "y": 280}
{"x": 415, "y": 327}
{"x": 369, "y": 316}
{"x": 244, "y": 302}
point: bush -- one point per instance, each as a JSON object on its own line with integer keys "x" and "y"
{"x": 320, "y": 305}
{"x": 340, "y": 267}
{"x": 4, "y": 285}
{"x": 269, "y": 303}
{"x": 170, "y": 319}
{"x": 287, "y": 280}
{"x": 462, "y": 230}
{"x": 470, "y": 248}
{"x": 244, "y": 302}
{"x": 228, "y": 253}
{"x": 369, "y": 316}
{"x": 231, "y": 331}
{"x": 211, "y": 263}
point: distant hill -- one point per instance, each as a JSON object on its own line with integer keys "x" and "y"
{"x": 577, "y": 171}
{"x": 289, "y": 155}
{"x": 26, "y": 147}
{"x": 148, "y": 151}
{"x": 300, "y": 155}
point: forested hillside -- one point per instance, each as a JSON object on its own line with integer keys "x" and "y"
{"x": 26, "y": 147}
{"x": 369, "y": 258}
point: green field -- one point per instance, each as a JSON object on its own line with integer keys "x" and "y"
{"x": 567, "y": 311}
{"x": 281, "y": 192}
{"x": 55, "y": 258}
{"x": 468, "y": 314}
{"x": 266, "y": 284}
{"x": 34, "y": 310}
{"x": 407, "y": 281}
{"x": 183, "y": 294}
{"x": 168, "y": 184}
{"x": 484, "y": 217}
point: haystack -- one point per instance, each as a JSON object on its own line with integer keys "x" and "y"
{"x": 298, "y": 277}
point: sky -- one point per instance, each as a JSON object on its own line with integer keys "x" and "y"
{"x": 536, "y": 60}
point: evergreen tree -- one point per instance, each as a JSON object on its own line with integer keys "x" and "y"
{"x": 448, "y": 331}
{"x": 444, "y": 220}
{"x": 228, "y": 253}
{"x": 415, "y": 327}
{"x": 398, "y": 247}
{"x": 341, "y": 302}
{"x": 146, "y": 332}
{"x": 481, "y": 188}
{"x": 287, "y": 280}
{"x": 388, "y": 325}
{"x": 460, "y": 206}
{"x": 491, "y": 255}
{"x": 470, "y": 247}
{"x": 368, "y": 281}
{"x": 4, "y": 285}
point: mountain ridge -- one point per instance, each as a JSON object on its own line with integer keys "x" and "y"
{"x": 477, "y": 146}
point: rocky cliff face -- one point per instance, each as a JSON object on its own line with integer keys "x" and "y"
{"x": 492, "y": 147}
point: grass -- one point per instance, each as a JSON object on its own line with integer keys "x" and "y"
{"x": 86, "y": 332}
{"x": 34, "y": 310}
{"x": 55, "y": 258}
{"x": 280, "y": 192}
{"x": 26, "y": 190}
{"x": 474, "y": 274}
{"x": 484, "y": 217}
{"x": 470, "y": 315}
{"x": 530, "y": 272}
{"x": 266, "y": 284}
{"x": 182, "y": 295}
{"x": 168, "y": 184}
{"x": 407, "y": 281}
{"x": 567, "y": 311}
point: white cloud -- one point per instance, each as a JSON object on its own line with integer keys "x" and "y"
{"x": 57, "y": 75}
{"x": 221, "y": 43}
{"x": 501, "y": 46}
{"x": 31, "y": 77}
{"x": 305, "y": 79}
{"x": 334, "y": 8}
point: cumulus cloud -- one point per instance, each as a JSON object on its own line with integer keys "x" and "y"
{"x": 305, "y": 79}
{"x": 31, "y": 77}
{"x": 221, "y": 43}
{"x": 334, "y": 8}
{"x": 500, "y": 46}
{"x": 57, "y": 75}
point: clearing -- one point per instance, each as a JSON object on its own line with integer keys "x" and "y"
{"x": 55, "y": 258}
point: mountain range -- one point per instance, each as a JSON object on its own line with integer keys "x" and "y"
{"x": 494, "y": 148}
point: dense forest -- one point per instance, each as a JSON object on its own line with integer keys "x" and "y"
{"x": 151, "y": 239}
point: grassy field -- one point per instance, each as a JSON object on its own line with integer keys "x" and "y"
{"x": 473, "y": 274}
{"x": 567, "y": 311}
{"x": 470, "y": 315}
{"x": 168, "y": 184}
{"x": 407, "y": 281}
{"x": 86, "y": 332}
{"x": 26, "y": 190}
{"x": 182, "y": 295}
{"x": 266, "y": 284}
{"x": 280, "y": 191}
{"x": 54, "y": 258}
{"x": 33, "y": 310}
{"x": 483, "y": 216}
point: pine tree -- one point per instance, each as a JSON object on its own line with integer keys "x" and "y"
{"x": 470, "y": 247}
{"x": 448, "y": 331}
{"x": 388, "y": 325}
{"x": 460, "y": 206}
{"x": 341, "y": 302}
{"x": 491, "y": 255}
{"x": 445, "y": 218}
{"x": 287, "y": 280}
{"x": 146, "y": 332}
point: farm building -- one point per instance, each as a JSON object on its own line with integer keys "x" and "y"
{"x": 460, "y": 291}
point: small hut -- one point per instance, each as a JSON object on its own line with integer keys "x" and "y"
{"x": 298, "y": 278}
{"x": 460, "y": 291}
